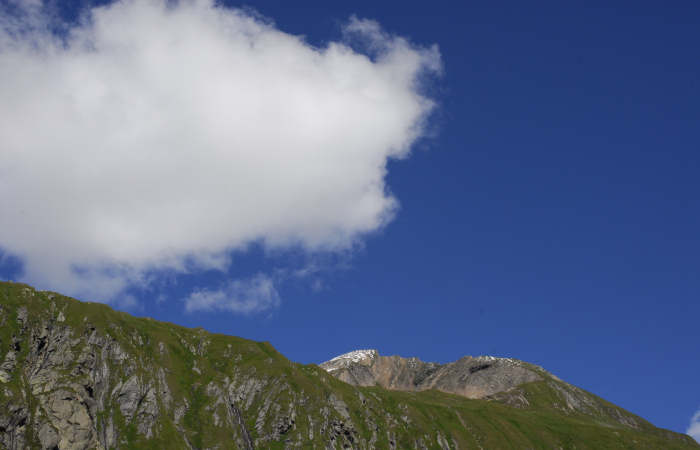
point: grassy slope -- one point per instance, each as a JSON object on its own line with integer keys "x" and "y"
{"x": 469, "y": 423}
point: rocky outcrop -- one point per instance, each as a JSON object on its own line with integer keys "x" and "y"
{"x": 504, "y": 380}
{"x": 81, "y": 376}
{"x": 471, "y": 377}
{"x": 69, "y": 382}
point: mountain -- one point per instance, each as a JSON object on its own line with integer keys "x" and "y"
{"x": 469, "y": 377}
{"x": 77, "y": 375}
{"x": 505, "y": 380}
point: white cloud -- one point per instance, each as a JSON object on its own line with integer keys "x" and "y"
{"x": 694, "y": 427}
{"x": 247, "y": 296}
{"x": 164, "y": 136}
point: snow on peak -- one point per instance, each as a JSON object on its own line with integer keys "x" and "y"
{"x": 489, "y": 358}
{"x": 356, "y": 355}
{"x": 346, "y": 359}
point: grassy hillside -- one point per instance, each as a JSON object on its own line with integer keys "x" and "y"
{"x": 81, "y": 375}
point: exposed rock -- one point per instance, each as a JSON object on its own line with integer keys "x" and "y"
{"x": 114, "y": 382}
{"x": 48, "y": 436}
{"x": 71, "y": 419}
{"x": 13, "y": 424}
{"x": 471, "y": 377}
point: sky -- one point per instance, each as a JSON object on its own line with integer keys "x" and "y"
{"x": 427, "y": 179}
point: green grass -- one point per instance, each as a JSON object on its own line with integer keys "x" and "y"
{"x": 469, "y": 423}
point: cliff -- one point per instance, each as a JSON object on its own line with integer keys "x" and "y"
{"x": 77, "y": 375}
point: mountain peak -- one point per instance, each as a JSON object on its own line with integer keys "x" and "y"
{"x": 348, "y": 359}
{"x": 470, "y": 376}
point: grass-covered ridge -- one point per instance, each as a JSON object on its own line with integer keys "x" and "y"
{"x": 87, "y": 375}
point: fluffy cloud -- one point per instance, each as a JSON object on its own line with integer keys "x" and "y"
{"x": 247, "y": 296}
{"x": 160, "y": 135}
{"x": 694, "y": 427}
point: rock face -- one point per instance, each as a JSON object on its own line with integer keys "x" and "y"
{"x": 81, "y": 376}
{"x": 505, "y": 380}
{"x": 471, "y": 377}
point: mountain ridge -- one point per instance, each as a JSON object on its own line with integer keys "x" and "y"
{"x": 356, "y": 367}
{"x": 482, "y": 377}
{"x": 79, "y": 375}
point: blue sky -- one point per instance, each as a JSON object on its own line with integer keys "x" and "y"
{"x": 549, "y": 204}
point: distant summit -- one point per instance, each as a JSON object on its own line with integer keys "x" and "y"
{"x": 346, "y": 360}
{"x": 505, "y": 380}
{"x": 471, "y": 377}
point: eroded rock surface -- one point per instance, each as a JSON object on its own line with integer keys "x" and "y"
{"x": 471, "y": 377}
{"x": 81, "y": 376}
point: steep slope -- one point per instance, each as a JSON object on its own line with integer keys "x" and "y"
{"x": 79, "y": 375}
{"x": 506, "y": 380}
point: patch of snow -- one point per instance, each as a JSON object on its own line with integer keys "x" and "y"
{"x": 356, "y": 355}
{"x": 490, "y": 358}
{"x": 346, "y": 359}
